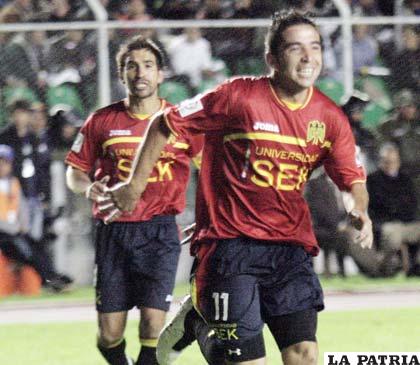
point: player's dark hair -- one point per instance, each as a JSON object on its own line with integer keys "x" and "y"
{"x": 280, "y": 22}
{"x": 137, "y": 43}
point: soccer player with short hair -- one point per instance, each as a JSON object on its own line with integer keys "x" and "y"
{"x": 137, "y": 254}
{"x": 254, "y": 240}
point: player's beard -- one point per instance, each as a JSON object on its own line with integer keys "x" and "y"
{"x": 144, "y": 93}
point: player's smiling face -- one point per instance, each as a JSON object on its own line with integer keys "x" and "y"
{"x": 142, "y": 75}
{"x": 299, "y": 60}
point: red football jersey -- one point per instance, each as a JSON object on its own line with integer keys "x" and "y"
{"x": 257, "y": 156}
{"x": 107, "y": 144}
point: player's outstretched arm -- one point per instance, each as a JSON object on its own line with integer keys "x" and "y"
{"x": 359, "y": 217}
{"x": 125, "y": 195}
{"x": 80, "y": 183}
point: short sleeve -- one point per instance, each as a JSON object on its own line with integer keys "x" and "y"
{"x": 85, "y": 149}
{"x": 204, "y": 113}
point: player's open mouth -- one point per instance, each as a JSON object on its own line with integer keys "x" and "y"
{"x": 306, "y": 72}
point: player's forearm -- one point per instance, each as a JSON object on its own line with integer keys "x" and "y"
{"x": 148, "y": 153}
{"x": 77, "y": 181}
{"x": 360, "y": 196}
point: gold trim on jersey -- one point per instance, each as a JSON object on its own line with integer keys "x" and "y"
{"x": 143, "y": 117}
{"x": 116, "y": 140}
{"x": 267, "y": 137}
{"x": 133, "y": 139}
{"x": 291, "y": 105}
{"x": 181, "y": 145}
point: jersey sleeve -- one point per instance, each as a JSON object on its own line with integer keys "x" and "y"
{"x": 341, "y": 164}
{"x": 204, "y": 113}
{"x": 85, "y": 149}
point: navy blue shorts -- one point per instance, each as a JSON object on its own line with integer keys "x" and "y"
{"x": 136, "y": 264}
{"x": 240, "y": 283}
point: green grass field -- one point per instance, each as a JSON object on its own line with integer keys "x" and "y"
{"x": 74, "y": 343}
{"x": 353, "y": 283}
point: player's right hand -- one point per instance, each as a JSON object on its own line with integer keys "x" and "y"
{"x": 124, "y": 196}
{"x": 363, "y": 226}
{"x": 97, "y": 190}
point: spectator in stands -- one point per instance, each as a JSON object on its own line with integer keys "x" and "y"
{"x": 178, "y": 9}
{"x": 43, "y": 143}
{"x": 365, "y": 139}
{"x": 405, "y": 66}
{"x": 23, "y": 10}
{"x": 15, "y": 244}
{"x": 64, "y": 126}
{"x": 412, "y": 7}
{"x": 133, "y": 10}
{"x": 393, "y": 206}
{"x": 403, "y": 129}
{"x": 190, "y": 55}
{"x": 365, "y": 48}
{"x": 136, "y": 10}
{"x": 328, "y": 215}
{"x": 60, "y": 11}
{"x": 74, "y": 55}
{"x": 212, "y": 9}
{"x": 366, "y": 8}
{"x": 22, "y": 61}
{"x": 20, "y": 138}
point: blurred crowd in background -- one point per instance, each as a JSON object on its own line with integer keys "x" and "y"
{"x": 48, "y": 82}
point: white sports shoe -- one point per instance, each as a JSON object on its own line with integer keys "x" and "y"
{"x": 177, "y": 329}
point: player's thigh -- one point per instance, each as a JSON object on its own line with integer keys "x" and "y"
{"x": 230, "y": 306}
{"x": 112, "y": 282}
{"x": 153, "y": 262}
{"x": 291, "y": 329}
{"x": 292, "y": 286}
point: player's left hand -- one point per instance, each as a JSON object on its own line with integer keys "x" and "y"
{"x": 123, "y": 196}
{"x": 362, "y": 223}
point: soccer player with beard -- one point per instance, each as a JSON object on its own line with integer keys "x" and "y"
{"x": 254, "y": 240}
{"x": 137, "y": 254}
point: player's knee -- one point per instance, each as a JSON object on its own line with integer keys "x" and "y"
{"x": 302, "y": 353}
{"x": 109, "y": 337}
{"x": 150, "y": 327}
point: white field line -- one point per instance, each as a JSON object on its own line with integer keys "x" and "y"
{"x": 41, "y": 313}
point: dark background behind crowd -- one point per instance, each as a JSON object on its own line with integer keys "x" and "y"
{"x": 48, "y": 82}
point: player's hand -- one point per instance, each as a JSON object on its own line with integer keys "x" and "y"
{"x": 97, "y": 190}
{"x": 124, "y": 196}
{"x": 97, "y": 193}
{"x": 362, "y": 223}
{"x": 113, "y": 215}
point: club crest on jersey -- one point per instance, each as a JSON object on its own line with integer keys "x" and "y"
{"x": 264, "y": 126}
{"x": 316, "y": 132}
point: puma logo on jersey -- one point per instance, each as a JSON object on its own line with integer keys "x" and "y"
{"x": 119, "y": 132}
{"x": 268, "y": 127}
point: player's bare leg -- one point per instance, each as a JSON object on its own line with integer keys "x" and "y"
{"x": 302, "y": 353}
{"x": 151, "y": 323}
{"x": 111, "y": 342}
